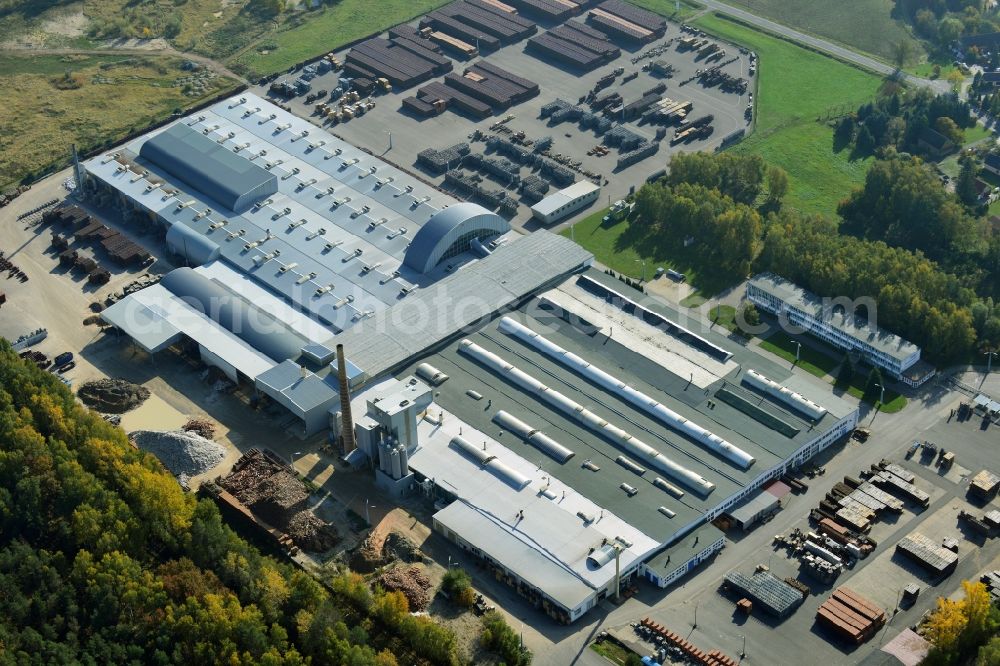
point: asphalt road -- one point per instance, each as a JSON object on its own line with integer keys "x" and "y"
{"x": 836, "y": 50}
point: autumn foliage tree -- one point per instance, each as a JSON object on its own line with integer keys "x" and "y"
{"x": 105, "y": 560}
{"x": 958, "y": 629}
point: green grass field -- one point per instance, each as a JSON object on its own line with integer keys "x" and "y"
{"x": 51, "y": 102}
{"x": 241, "y": 33}
{"x": 796, "y": 87}
{"x": 823, "y": 365}
{"x": 326, "y": 29}
{"x": 724, "y": 316}
{"x": 811, "y": 359}
{"x": 613, "y": 652}
{"x": 614, "y": 246}
{"x": 863, "y": 25}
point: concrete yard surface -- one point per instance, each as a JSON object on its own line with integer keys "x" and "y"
{"x": 411, "y": 134}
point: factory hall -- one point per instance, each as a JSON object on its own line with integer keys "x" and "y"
{"x": 576, "y": 435}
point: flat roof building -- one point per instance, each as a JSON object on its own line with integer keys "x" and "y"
{"x": 614, "y": 422}
{"x": 579, "y": 436}
{"x": 566, "y": 201}
{"x": 829, "y": 320}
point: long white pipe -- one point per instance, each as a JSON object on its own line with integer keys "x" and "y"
{"x": 576, "y": 411}
{"x": 664, "y": 414}
{"x": 786, "y": 395}
{"x": 489, "y": 461}
{"x": 533, "y": 436}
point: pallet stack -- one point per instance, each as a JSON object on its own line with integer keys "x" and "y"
{"x": 550, "y": 10}
{"x": 404, "y": 59}
{"x": 567, "y": 52}
{"x": 481, "y": 90}
{"x": 767, "y": 591}
{"x": 935, "y": 558}
{"x": 506, "y": 27}
{"x": 627, "y": 22}
{"x": 851, "y": 616}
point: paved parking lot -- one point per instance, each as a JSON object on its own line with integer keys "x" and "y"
{"x": 879, "y": 577}
{"x": 411, "y": 134}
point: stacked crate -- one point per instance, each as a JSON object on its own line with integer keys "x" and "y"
{"x": 637, "y": 155}
{"x": 506, "y": 27}
{"x": 850, "y": 615}
{"x": 567, "y": 52}
{"x": 640, "y": 17}
{"x": 439, "y": 161}
{"x": 463, "y": 31}
{"x": 767, "y": 591}
{"x": 401, "y": 59}
{"x": 931, "y": 556}
{"x": 551, "y": 10}
{"x": 591, "y": 40}
{"x": 455, "y": 99}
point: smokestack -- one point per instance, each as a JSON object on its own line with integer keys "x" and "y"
{"x": 346, "y": 419}
{"x": 77, "y": 172}
{"x": 618, "y": 573}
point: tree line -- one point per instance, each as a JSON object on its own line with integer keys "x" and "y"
{"x": 104, "y": 559}
{"x": 901, "y": 123}
{"x": 928, "y": 261}
{"x": 943, "y": 22}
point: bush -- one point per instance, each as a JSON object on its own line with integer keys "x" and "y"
{"x": 455, "y": 582}
{"x": 498, "y": 637}
{"x": 465, "y": 598}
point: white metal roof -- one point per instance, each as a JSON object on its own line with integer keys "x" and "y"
{"x": 549, "y": 204}
{"x": 795, "y": 296}
{"x": 344, "y": 217}
{"x": 549, "y": 546}
{"x": 154, "y": 317}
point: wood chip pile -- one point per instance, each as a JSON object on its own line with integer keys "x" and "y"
{"x": 411, "y": 581}
{"x": 279, "y": 498}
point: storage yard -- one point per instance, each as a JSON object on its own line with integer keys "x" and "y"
{"x": 521, "y": 97}
{"x": 917, "y": 526}
{"x": 277, "y": 499}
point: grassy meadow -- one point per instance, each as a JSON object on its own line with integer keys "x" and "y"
{"x": 53, "y": 101}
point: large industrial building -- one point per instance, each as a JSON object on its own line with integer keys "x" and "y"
{"x": 834, "y": 325}
{"x": 573, "y": 435}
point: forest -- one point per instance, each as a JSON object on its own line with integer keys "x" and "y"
{"x": 105, "y": 560}
{"x": 944, "y": 22}
{"x": 929, "y": 262}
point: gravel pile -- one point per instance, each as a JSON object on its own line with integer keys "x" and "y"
{"x": 112, "y": 396}
{"x": 181, "y": 452}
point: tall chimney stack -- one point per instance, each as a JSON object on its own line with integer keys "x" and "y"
{"x": 346, "y": 418}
